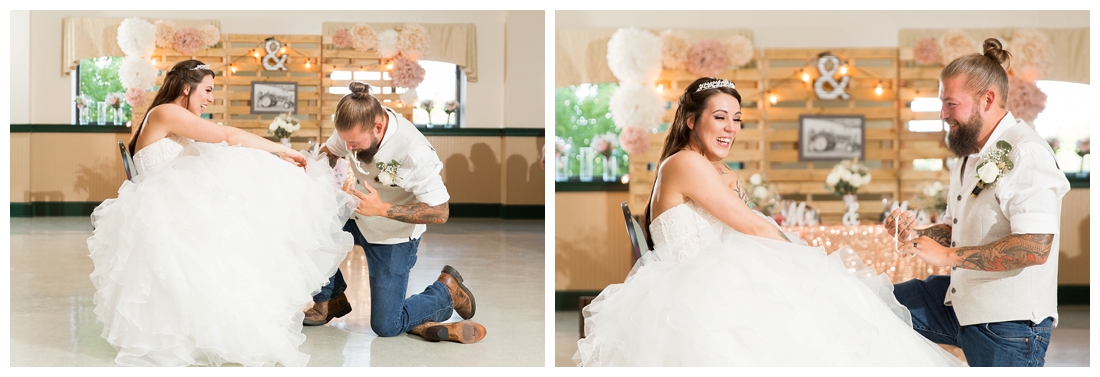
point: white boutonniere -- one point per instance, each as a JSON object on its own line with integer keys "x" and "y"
{"x": 994, "y": 165}
{"x": 387, "y": 173}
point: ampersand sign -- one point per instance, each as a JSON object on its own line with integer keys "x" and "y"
{"x": 271, "y": 61}
{"x": 828, "y": 65}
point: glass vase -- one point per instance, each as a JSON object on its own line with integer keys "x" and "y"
{"x": 285, "y": 141}
{"x": 561, "y": 169}
{"x": 586, "y": 161}
{"x": 101, "y": 119}
{"x": 610, "y": 169}
{"x": 119, "y": 117}
{"x": 83, "y": 115}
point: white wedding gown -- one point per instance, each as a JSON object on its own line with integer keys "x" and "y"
{"x": 213, "y": 255}
{"x": 708, "y": 295}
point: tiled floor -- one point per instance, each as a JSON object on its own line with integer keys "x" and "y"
{"x": 1069, "y": 344}
{"x": 502, "y": 262}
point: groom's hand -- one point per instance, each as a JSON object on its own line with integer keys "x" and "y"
{"x": 369, "y": 203}
{"x": 899, "y": 222}
{"x": 933, "y": 253}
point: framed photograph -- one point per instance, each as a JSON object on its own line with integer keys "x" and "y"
{"x": 274, "y": 97}
{"x": 830, "y": 137}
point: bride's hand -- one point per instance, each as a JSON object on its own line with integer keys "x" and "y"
{"x": 292, "y": 156}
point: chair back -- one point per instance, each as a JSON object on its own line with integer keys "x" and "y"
{"x": 637, "y": 236}
{"x": 127, "y": 161}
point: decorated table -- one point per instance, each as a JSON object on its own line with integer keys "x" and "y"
{"x": 874, "y": 246}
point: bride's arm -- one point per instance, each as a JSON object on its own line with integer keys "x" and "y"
{"x": 179, "y": 121}
{"x": 695, "y": 177}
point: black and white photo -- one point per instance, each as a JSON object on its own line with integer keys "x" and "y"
{"x": 274, "y": 97}
{"x": 830, "y": 137}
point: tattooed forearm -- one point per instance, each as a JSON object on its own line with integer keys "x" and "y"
{"x": 1009, "y": 253}
{"x": 941, "y": 233}
{"x": 743, "y": 194}
{"x": 420, "y": 213}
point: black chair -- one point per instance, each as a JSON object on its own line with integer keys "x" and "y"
{"x": 127, "y": 161}
{"x": 637, "y": 236}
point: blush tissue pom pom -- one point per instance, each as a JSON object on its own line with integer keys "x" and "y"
{"x": 636, "y": 105}
{"x": 135, "y": 97}
{"x": 634, "y": 55}
{"x": 210, "y": 35}
{"x": 739, "y": 50}
{"x": 387, "y": 44}
{"x": 634, "y": 140}
{"x": 926, "y": 52}
{"x": 137, "y": 72}
{"x": 137, "y": 37}
{"x": 413, "y": 41}
{"x": 1026, "y": 100}
{"x": 674, "y": 49}
{"x": 407, "y": 73}
{"x": 166, "y": 33}
{"x": 955, "y": 43}
{"x": 341, "y": 38}
{"x": 1031, "y": 53}
{"x": 363, "y": 37}
{"x": 188, "y": 40}
{"x": 707, "y": 58}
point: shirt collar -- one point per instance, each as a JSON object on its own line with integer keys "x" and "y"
{"x": 1007, "y": 122}
{"x": 391, "y": 125}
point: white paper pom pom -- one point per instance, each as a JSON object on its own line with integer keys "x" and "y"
{"x": 137, "y": 72}
{"x": 409, "y": 97}
{"x": 636, "y": 105}
{"x": 137, "y": 37}
{"x": 387, "y": 44}
{"x": 740, "y": 50}
{"x": 634, "y": 55}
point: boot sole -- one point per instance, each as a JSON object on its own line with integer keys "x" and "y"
{"x": 337, "y": 314}
{"x": 466, "y": 333}
{"x": 453, "y": 272}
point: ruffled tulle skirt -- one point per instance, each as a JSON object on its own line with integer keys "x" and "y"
{"x": 212, "y": 259}
{"x": 749, "y": 301}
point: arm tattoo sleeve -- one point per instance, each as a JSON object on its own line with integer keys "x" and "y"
{"x": 743, "y": 194}
{"x": 420, "y": 213}
{"x": 941, "y": 233}
{"x": 1013, "y": 252}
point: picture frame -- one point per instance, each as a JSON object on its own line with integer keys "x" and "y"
{"x": 271, "y": 97}
{"x": 831, "y": 137}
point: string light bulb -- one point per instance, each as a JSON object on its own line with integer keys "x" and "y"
{"x": 282, "y": 51}
{"x": 772, "y": 98}
{"x": 805, "y": 76}
{"x": 844, "y": 69}
{"x": 307, "y": 63}
{"x": 878, "y": 89}
{"x": 256, "y": 54}
{"x": 233, "y": 68}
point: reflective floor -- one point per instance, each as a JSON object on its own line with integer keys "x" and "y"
{"x": 502, "y": 262}
{"x": 1069, "y": 343}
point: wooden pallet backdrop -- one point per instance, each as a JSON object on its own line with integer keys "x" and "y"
{"x": 365, "y": 63}
{"x": 916, "y": 81}
{"x": 214, "y": 56}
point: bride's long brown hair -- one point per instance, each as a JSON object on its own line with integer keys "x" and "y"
{"x": 183, "y": 74}
{"x": 691, "y": 106}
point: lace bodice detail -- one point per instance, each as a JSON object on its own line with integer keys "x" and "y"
{"x": 156, "y": 156}
{"x": 680, "y": 229}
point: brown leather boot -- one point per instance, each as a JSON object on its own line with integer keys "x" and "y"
{"x": 461, "y": 332}
{"x": 461, "y": 297}
{"x": 323, "y": 312}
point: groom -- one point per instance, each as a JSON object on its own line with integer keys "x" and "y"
{"x": 1000, "y": 233}
{"x": 394, "y": 206}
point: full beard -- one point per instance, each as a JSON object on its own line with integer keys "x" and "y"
{"x": 367, "y": 155}
{"x": 964, "y": 139}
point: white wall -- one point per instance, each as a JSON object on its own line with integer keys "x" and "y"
{"x": 525, "y": 67}
{"x": 817, "y": 29}
{"x": 485, "y": 98}
{"x": 20, "y": 50}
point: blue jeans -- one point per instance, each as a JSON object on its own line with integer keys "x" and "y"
{"x": 997, "y": 344}
{"x": 391, "y": 313}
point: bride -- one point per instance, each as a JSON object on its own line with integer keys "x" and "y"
{"x": 725, "y": 286}
{"x": 211, "y": 255}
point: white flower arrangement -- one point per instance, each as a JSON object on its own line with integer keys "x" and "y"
{"x": 636, "y": 105}
{"x": 763, "y": 194}
{"x": 634, "y": 55}
{"x": 847, "y": 177}
{"x": 387, "y": 172}
{"x": 931, "y": 197}
{"x": 994, "y": 164}
{"x": 283, "y": 126}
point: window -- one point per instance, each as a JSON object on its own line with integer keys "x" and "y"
{"x": 442, "y": 83}
{"x": 581, "y": 118}
{"x": 96, "y": 79}
{"x": 1065, "y": 122}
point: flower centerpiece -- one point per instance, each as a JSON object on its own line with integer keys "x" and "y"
{"x": 82, "y": 108}
{"x": 605, "y": 145}
{"x": 847, "y": 177}
{"x": 561, "y": 159}
{"x": 283, "y": 126}
{"x": 450, "y": 107}
{"x": 763, "y": 194}
{"x": 428, "y": 105}
{"x": 931, "y": 198}
{"x": 1083, "y": 149}
{"x": 114, "y": 100}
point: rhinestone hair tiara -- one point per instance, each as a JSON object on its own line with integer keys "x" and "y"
{"x": 207, "y": 67}
{"x": 715, "y": 84}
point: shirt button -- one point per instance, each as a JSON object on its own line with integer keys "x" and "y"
{"x": 954, "y": 221}
{"x": 952, "y": 243}
{"x": 952, "y": 290}
{"x": 954, "y": 268}
{"x": 959, "y": 198}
